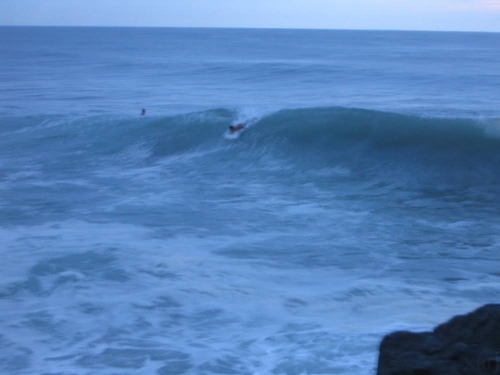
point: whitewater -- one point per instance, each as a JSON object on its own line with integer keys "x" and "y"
{"x": 362, "y": 198}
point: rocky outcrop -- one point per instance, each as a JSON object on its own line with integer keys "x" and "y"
{"x": 465, "y": 345}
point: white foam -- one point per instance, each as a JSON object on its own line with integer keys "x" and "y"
{"x": 135, "y": 291}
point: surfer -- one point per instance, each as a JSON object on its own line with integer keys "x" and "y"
{"x": 143, "y": 112}
{"x": 235, "y": 128}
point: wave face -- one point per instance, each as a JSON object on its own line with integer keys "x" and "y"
{"x": 288, "y": 146}
{"x": 316, "y": 129}
{"x": 319, "y": 127}
{"x": 296, "y": 133}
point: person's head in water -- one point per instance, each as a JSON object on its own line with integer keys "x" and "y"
{"x": 143, "y": 112}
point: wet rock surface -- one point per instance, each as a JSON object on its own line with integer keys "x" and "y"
{"x": 465, "y": 345}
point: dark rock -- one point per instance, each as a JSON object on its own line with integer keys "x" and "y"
{"x": 465, "y": 345}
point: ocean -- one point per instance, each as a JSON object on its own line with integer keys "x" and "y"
{"x": 362, "y": 197}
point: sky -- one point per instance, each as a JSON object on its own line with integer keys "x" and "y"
{"x": 442, "y": 15}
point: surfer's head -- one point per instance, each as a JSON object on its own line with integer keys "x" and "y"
{"x": 232, "y": 129}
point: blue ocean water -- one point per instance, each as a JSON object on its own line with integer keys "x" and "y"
{"x": 363, "y": 197}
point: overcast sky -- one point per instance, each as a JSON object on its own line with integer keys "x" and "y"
{"x": 466, "y": 15}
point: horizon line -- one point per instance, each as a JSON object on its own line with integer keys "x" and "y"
{"x": 256, "y": 28}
